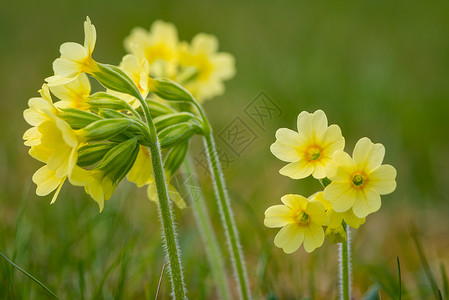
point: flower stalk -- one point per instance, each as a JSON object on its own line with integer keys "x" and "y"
{"x": 345, "y": 266}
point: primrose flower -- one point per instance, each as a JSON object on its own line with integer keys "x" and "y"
{"x": 52, "y": 142}
{"x": 204, "y": 69}
{"x": 159, "y": 46}
{"x": 142, "y": 174}
{"x": 336, "y": 218}
{"x": 301, "y": 220}
{"x": 74, "y": 94}
{"x": 138, "y": 69}
{"x": 358, "y": 182}
{"x": 309, "y": 150}
{"x": 75, "y": 58}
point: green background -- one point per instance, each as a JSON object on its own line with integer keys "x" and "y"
{"x": 378, "y": 69}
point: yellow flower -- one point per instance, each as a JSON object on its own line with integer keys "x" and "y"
{"x": 138, "y": 69}
{"x": 142, "y": 174}
{"x": 75, "y": 58}
{"x": 73, "y": 94}
{"x": 159, "y": 46}
{"x": 301, "y": 220}
{"x": 359, "y": 181}
{"x": 52, "y": 142}
{"x": 336, "y": 218}
{"x": 204, "y": 69}
{"x": 96, "y": 183}
{"x": 309, "y": 150}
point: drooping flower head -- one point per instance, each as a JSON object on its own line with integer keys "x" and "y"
{"x": 159, "y": 46}
{"x": 203, "y": 68}
{"x": 309, "y": 150}
{"x": 75, "y": 58}
{"x": 358, "y": 182}
{"x": 301, "y": 220}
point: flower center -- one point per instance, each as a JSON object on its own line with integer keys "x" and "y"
{"x": 302, "y": 218}
{"x": 313, "y": 153}
{"x": 358, "y": 179}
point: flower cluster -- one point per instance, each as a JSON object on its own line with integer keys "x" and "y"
{"x": 198, "y": 66}
{"x": 352, "y": 185}
{"x": 95, "y": 139}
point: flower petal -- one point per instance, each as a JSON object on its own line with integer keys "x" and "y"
{"x": 313, "y": 126}
{"x": 368, "y": 156}
{"x": 383, "y": 179}
{"x": 367, "y": 202}
{"x": 340, "y": 167}
{"x": 341, "y": 195}
{"x": 316, "y": 212}
{"x": 289, "y": 238}
{"x": 313, "y": 237}
{"x": 277, "y": 216}
{"x": 297, "y": 170}
{"x": 295, "y": 202}
{"x": 90, "y": 36}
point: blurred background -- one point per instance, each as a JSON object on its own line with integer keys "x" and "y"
{"x": 378, "y": 69}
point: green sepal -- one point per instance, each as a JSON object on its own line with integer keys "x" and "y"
{"x": 175, "y": 157}
{"x": 158, "y": 108}
{"x": 169, "y": 90}
{"x": 111, "y": 77}
{"x": 117, "y": 162}
{"x": 77, "y": 118}
{"x": 336, "y": 235}
{"x": 177, "y": 133}
{"x": 166, "y": 120}
{"x": 105, "y": 129}
{"x": 91, "y": 154}
{"x": 105, "y": 100}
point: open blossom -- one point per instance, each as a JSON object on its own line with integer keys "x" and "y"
{"x": 52, "y": 142}
{"x": 309, "y": 150}
{"x": 75, "y": 58}
{"x": 358, "y": 182}
{"x": 301, "y": 220}
{"x": 159, "y": 46}
{"x": 74, "y": 94}
{"x": 204, "y": 68}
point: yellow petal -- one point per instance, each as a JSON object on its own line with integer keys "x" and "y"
{"x": 335, "y": 218}
{"x": 333, "y": 140}
{"x": 352, "y": 220}
{"x": 46, "y": 181}
{"x": 73, "y": 52}
{"x": 40, "y": 153}
{"x": 56, "y": 194}
{"x": 313, "y": 237}
{"x": 65, "y": 71}
{"x": 313, "y": 126}
{"x": 277, "y": 216}
{"x": 368, "y": 156}
{"x": 77, "y": 89}
{"x": 32, "y": 137}
{"x": 367, "y": 202}
{"x": 90, "y": 36}
{"x": 204, "y": 43}
{"x": 289, "y": 238}
{"x": 297, "y": 170}
{"x": 383, "y": 179}
{"x": 342, "y": 196}
{"x": 80, "y": 177}
{"x": 341, "y": 167}
{"x": 295, "y": 202}
{"x": 316, "y": 212}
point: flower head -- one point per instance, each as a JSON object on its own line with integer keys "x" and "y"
{"x": 159, "y": 46}
{"x": 301, "y": 220}
{"x": 204, "y": 69}
{"x": 75, "y": 58}
{"x": 309, "y": 150}
{"x": 358, "y": 182}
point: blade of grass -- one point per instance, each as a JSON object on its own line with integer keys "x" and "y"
{"x": 28, "y": 275}
{"x": 445, "y": 282}
{"x": 160, "y": 281}
{"x": 424, "y": 262}
{"x": 399, "y": 279}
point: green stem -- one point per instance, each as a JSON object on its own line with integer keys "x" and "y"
{"x": 345, "y": 266}
{"x": 165, "y": 212}
{"x": 226, "y": 216}
{"x": 207, "y": 233}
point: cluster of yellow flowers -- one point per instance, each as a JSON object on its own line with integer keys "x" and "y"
{"x": 352, "y": 185}
{"x": 95, "y": 140}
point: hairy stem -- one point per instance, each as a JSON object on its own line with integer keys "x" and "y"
{"x": 207, "y": 233}
{"x": 345, "y": 266}
{"x": 165, "y": 212}
{"x": 226, "y": 216}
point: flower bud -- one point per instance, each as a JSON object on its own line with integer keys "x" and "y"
{"x": 336, "y": 235}
{"x": 105, "y": 129}
{"x": 157, "y": 108}
{"x": 117, "y": 162}
{"x": 105, "y": 100}
{"x": 164, "y": 121}
{"x": 169, "y": 90}
{"x": 177, "y": 133}
{"x": 91, "y": 154}
{"x": 175, "y": 157}
{"x": 111, "y": 77}
{"x": 77, "y": 118}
